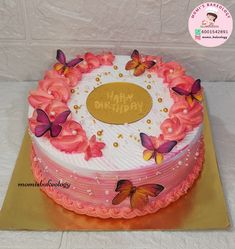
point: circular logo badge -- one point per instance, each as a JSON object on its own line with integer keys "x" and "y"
{"x": 210, "y": 24}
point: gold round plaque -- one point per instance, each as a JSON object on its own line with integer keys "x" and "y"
{"x": 119, "y": 103}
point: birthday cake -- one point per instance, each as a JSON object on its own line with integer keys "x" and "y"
{"x": 115, "y": 135}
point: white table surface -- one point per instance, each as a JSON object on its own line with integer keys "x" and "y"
{"x": 13, "y": 116}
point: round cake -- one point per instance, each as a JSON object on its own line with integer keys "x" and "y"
{"x": 116, "y": 136}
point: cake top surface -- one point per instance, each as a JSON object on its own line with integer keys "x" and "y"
{"x": 113, "y": 107}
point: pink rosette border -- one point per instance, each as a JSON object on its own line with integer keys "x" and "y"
{"x": 57, "y": 86}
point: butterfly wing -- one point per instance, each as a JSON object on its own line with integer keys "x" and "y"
{"x": 148, "y": 154}
{"x": 55, "y": 130}
{"x": 74, "y": 62}
{"x": 135, "y": 55}
{"x": 60, "y": 56}
{"x": 135, "y": 62}
{"x": 42, "y": 117}
{"x": 180, "y": 91}
{"x": 158, "y": 158}
{"x": 148, "y": 64}
{"x": 44, "y": 121}
{"x": 140, "y": 69}
{"x": 152, "y": 190}
{"x": 40, "y": 130}
{"x": 196, "y": 87}
{"x": 124, "y": 188}
{"x": 61, "y": 118}
{"x": 146, "y": 141}
{"x": 139, "y": 199}
{"x": 166, "y": 147}
{"x": 198, "y": 96}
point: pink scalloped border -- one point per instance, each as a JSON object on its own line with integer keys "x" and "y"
{"x": 124, "y": 212}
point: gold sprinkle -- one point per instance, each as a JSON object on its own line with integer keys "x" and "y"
{"x": 148, "y": 121}
{"x": 159, "y": 100}
{"x": 100, "y": 133}
{"x": 72, "y": 91}
{"x": 120, "y": 136}
{"x": 120, "y": 75}
{"x": 115, "y": 67}
{"x": 138, "y": 140}
{"x": 105, "y": 73}
{"x": 165, "y": 109}
{"x": 94, "y": 121}
{"x": 97, "y": 79}
{"x": 149, "y": 75}
{"x": 148, "y": 87}
{"x": 115, "y": 144}
{"x": 76, "y": 107}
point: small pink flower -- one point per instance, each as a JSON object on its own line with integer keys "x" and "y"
{"x": 170, "y": 70}
{"x": 172, "y": 129}
{"x": 52, "y": 109}
{"x": 94, "y": 148}
{"x": 189, "y": 115}
{"x": 106, "y": 58}
{"x": 72, "y": 138}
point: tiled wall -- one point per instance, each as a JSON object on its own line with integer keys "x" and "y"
{"x": 32, "y": 30}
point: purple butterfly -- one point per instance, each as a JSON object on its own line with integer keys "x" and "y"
{"x": 195, "y": 92}
{"x": 153, "y": 152}
{"x": 63, "y": 66}
{"x": 46, "y": 125}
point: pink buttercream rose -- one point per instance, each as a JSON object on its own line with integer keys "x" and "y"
{"x": 72, "y": 75}
{"x": 106, "y": 58}
{"x": 189, "y": 115}
{"x": 94, "y": 148}
{"x": 184, "y": 82}
{"x": 52, "y": 109}
{"x": 72, "y": 138}
{"x": 90, "y": 62}
{"x": 48, "y": 90}
{"x": 38, "y": 97}
{"x": 172, "y": 129}
{"x": 169, "y": 71}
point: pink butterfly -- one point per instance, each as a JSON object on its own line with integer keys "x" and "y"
{"x": 195, "y": 92}
{"x": 153, "y": 152}
{"x": 63, "y": 66}
{"x": 46, "y": 125}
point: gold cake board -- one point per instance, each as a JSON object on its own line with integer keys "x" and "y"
{"x": 203, "y": 207}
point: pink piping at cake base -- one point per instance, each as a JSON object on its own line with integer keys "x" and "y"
{"x": 123, "y": 212}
